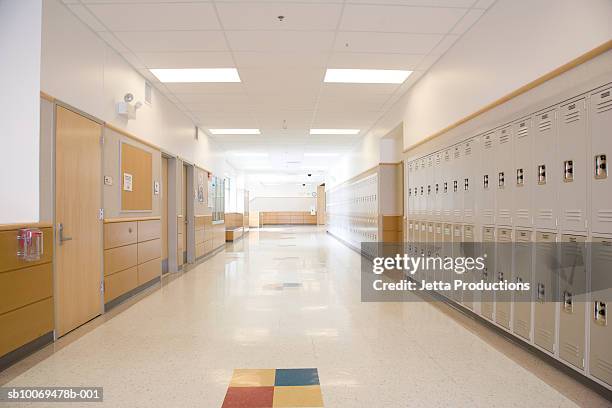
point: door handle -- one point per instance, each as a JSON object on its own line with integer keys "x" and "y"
{"x": 60, "y": 231}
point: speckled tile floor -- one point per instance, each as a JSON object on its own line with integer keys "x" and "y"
{"x": 178, "y": 345}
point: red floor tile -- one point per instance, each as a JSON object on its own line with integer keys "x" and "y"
{"x": 249, "y": 397}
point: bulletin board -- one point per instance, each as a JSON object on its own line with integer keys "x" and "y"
{"x": 137, "y": 170}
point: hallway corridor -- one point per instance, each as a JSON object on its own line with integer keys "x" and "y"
{"x": 289, "y": 297}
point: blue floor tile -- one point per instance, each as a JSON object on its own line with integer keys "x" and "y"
{"x": 296, "y": 376}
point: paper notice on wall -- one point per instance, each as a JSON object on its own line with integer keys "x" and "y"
{"x": 127, "y": 182}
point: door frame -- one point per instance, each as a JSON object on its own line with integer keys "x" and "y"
{"x": 56, "y": 104}
{"x": 173, "y": 209}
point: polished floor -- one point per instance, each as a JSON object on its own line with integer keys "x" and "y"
{"x": 289, "y": 297}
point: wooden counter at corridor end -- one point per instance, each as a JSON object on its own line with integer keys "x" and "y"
{"x": 26, "y": 296}
{"x": 132, "y": 256}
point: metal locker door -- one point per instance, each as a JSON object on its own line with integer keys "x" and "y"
{"x": 428, "y": 275}
{"x": 487, "y": 180}
{"x": 600, "y": 352}
{"x": 447, "y": 201}
{"x": 601, "y": 148}
{"x": 503, "y": 176}
{"x": 523, "y": 173}
{"x": 522, "y": 273}
{"x": 572, "y": 288}
{"x": 430, "y": 188}
{"x": 470, "y": 159}
{"x": 408, "y": 192}
{"x": 573, "y": 164}
{"x": 457, "y": 183}
{"x": 438, "y": 177}
{"x": 487, "y": 304}
{"x": 546, "y": 170}
{"x": 457, "y": 251}
{"x": 439, "y": 247}
{"x": 503, "y": 272}
{"x": 469, "y": 250}
{"x": 447, "y": 251}
{"x": 546, "y": 264}
{"x": 421, "y": 190}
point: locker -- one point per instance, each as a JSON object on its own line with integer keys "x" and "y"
{"x": 448, "y": 242}
{"x": 437, "y": 189}
{"x": 487, "y": 184}
{"x": 522, "y": 273}
{"x": 457, "y": 165}
{"x": 439, "y": 245}
{"x": 421, "y": 190}
{"x": 503, "y": 273}
{"x": 409, "y": 185}
{"x": 545, "y": 281}
{"x": 447, "y": 198}
{"x": 428, "y": 275}
{"x": 573, "y": 165}
{"x": 487, "y": 305}
{"x": 600, "y": 353}
{"x": 471, "y": 160}
{"x": 468, "y": 251}
{"x": 523, "y": 172}
{"x": 601, "y": 148}
{"x": 546, "y": 170}
{"x": 572, "y": 287}
{"x": 457, "y": 250}
{"x": 430, "y": 188}
{"x": 503, "y": 176}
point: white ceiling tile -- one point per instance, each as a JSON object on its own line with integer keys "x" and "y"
{"x": 374, "y": 61}
{"x": 276, "y": 80}
{"x": 445, "y": 44}
{"x": 484, "y": 4}
{"x": 140, "y": 1}
{"x": 427, "y": 62}
{"x": 426, "y": 3}
{"x": 280, "y": 41}
{"x": 295, "y": 59}
{"x": 85, "y": 16}
{"x": 386, "y": 42}
{"x": 357, "y": 91}
{"x": 188, "y": 59}
{"x": 133, "y": 60}
{"x": 155, "y": 17}
{"x": 113, "y": 42}
{"x": 399, "y": 19}
{"x": 264, "y": 16}
{"x": 205, "y": 88}
{"x": 173, "y": 41}
{"x": 467, "y": 21}
{"x": 228, "y": 121}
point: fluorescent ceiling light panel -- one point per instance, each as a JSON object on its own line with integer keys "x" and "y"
{"x": 334, "y": 131}
{"x": 247, "y": 154}
{"x": 197, "y": 75}
{"x": 234, "y": 131}
{"x": 367, "y": 76}
{"x": 321, "y": 154}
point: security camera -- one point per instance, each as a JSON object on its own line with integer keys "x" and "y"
{"x": 309, "y": 174}
{"x": 138, "y": 105}
{"x": 128, "y": 97}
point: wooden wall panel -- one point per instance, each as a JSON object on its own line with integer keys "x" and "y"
{"x": 149, "y": 250}
{"x": 149, "y": 229}
{"x": 8, "y": 250}
{"x": 119, "y": 283}
{"x": 120, "y": 233}
{"x": 25, "y": 286}
{"x": 138, "y": 163}
{"x": 120, "y": 258}
{"x": 149, "y": 270}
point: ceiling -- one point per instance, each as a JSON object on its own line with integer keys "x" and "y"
{"x": 281, "y": 63}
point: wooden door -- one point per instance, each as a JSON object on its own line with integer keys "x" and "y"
{"x": 78, "y": 199}
{"x": 164, "y": 212}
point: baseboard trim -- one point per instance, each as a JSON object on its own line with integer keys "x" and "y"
{"x": 120, "y": 299}
{"x": 27, "y": 349}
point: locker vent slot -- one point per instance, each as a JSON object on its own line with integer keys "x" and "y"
{"x": 542, "y": 174}
{"x": 522, "y": 214}
{"x": 545, "y": 214}
{"x": 573, "y": 215}
{"x": 468, "y": 149}
{"x": 572, "y": 114}
{"x": 504, "y": 214}
{"x": 605, "y": 103}
{"x": 469, "y": 213}
{"x": 488, "y": 143}
{"x": 523, "y": 130}
{"x": 438, "y": 159}
{"x": 604, "y": 215}
{"x": 545, "y": 122}
{"x": 604, "y": 366}
{"x": 601, "y": 166}
{"x": 487, "y": 213}
{"x": 544, "y": 335}
{"x": 571, "y": 349}
{"x": 504, "y": 137}
{"x": 568, "y": 171}
{"x": 457, "y": 153}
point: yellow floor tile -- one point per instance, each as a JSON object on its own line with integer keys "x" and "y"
{"x": 306, "y": 396}
{"x": 246, "y": 377}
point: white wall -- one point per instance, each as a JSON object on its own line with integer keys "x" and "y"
{"x": 20, "y": 44}
{"x": 281, "y": 196}
{"x": 259, "y": 204}
{"x": 78, "y": 68}
{"x": 514, "y": 43}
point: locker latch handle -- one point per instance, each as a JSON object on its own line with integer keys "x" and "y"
{"x": 601, "y": 167}
{"x": 600, "y": 315}
{"x": 542, "y": 174}
{"x": 501, "y": 179}
{"x": 568, "y": 302}
{"x": 520, "y": 177}
{"x": 541, "y": 292}
{"x": 455, "y": 184}
{"x": 568, "y": 171}
{"x": 500, "y": 276}
{"x": 485, "y": 181}
{"x": 466, "y": 184}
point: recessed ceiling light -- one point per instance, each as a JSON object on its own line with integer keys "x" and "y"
{"x": 334, "y": 131}
{"x": 367, "y": 76}
{"x": 196, "y": 74}
{"x": 321, "y": 154}
{"x": 234, "y": 131}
